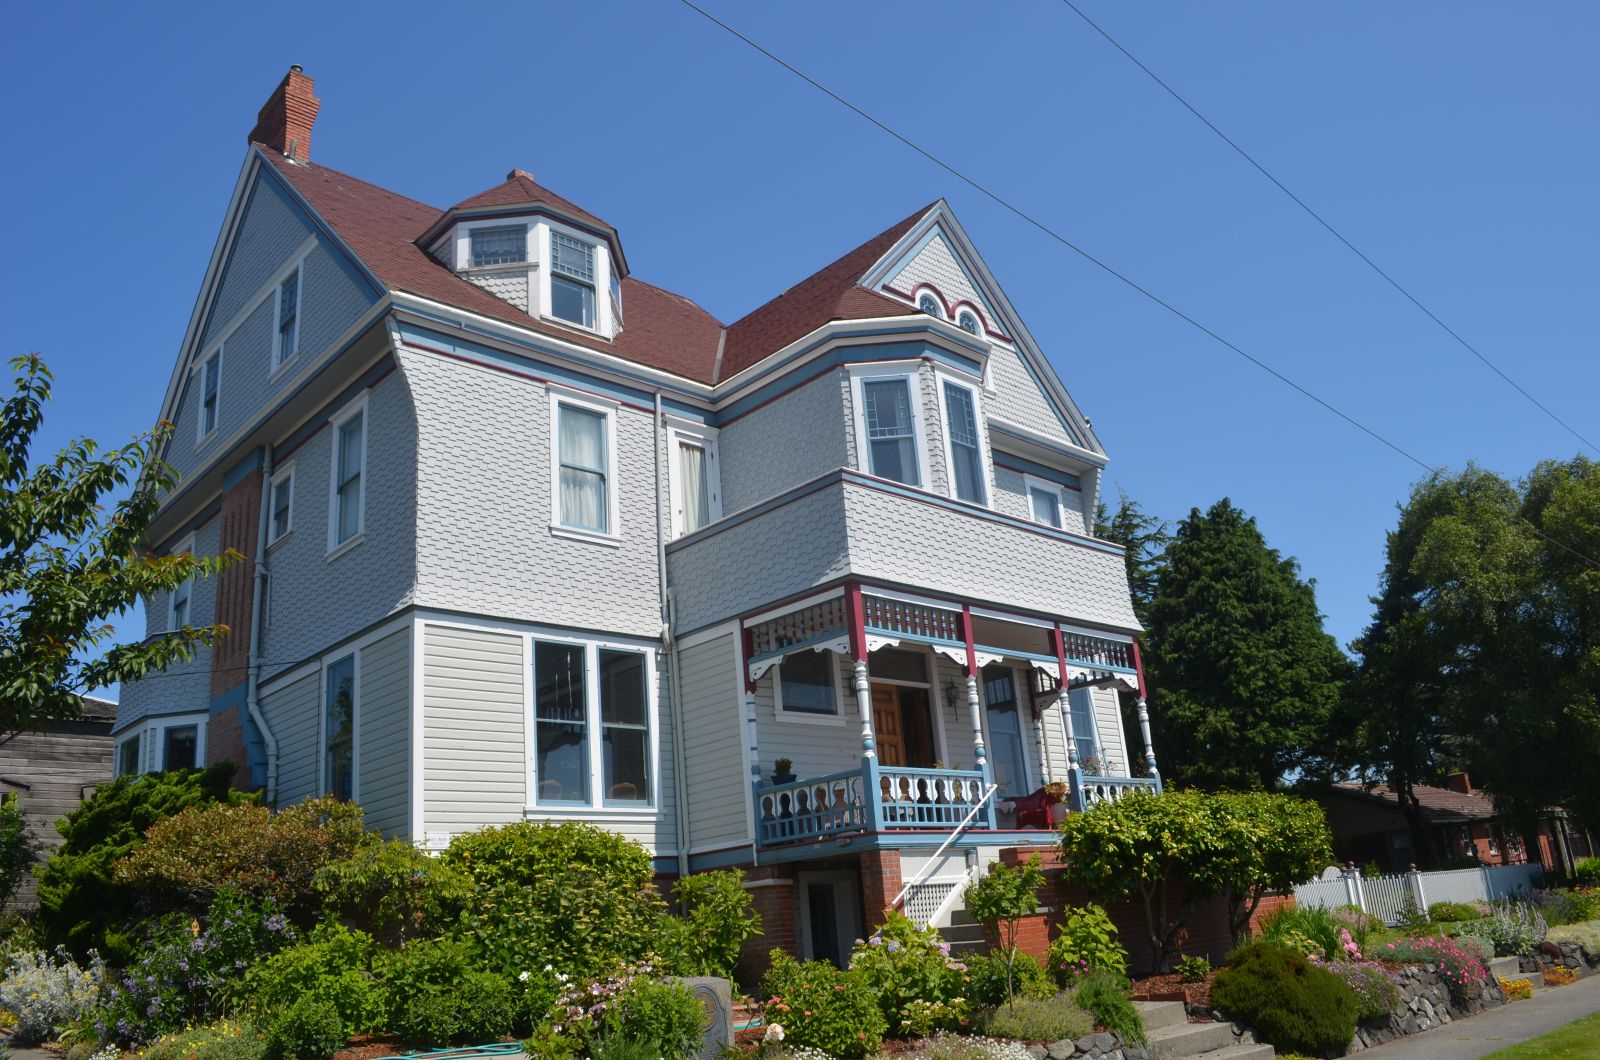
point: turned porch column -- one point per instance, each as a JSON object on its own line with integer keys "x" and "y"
{"x": 747, "y": 703}
{"x": 1144, "y": 718}
{"x": 975, "y": 709}
{"x": 1064, "y": 703}
{"x": 858, "y": 653}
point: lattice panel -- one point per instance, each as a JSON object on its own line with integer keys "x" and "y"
{"x": 820, "y": 621}
{"x": 924, "y": 900}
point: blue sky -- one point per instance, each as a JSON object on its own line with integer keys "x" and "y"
{"x": 1454, "y": 142}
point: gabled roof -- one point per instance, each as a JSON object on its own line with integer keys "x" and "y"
{"x": 661, "y": 329}
{"x": 831, "y": 293}
{"x": 520, "y": 189}
{"x": 1437, "y": 803}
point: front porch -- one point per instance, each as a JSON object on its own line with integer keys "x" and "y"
{"x": 925, "y": 677}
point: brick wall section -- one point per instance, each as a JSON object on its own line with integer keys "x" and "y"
{"x": 880, "y": 882}
{"x": 225, "y": 743}
{"x": 775, "y": 898}
{"x": 241, "y": 510}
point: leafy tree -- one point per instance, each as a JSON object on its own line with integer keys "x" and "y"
{"x": 67, "y": 562}
{"x": 1485, "y": 640}
{"x": 1244, "y": 680}
{"x": 1268, "y": 842}
{"x": 1000, "y": 900}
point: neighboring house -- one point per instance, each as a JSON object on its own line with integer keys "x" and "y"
{"x": 530, "y": 538}
{"x": 51, "y": 768}
{"x": 1462, "y": 824}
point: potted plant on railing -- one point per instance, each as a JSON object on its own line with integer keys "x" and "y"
{"x": 782, "y": 771}
{"x": 1056, "y": 793}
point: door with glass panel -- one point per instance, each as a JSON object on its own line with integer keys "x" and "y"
{"x": 1007, "y": 748}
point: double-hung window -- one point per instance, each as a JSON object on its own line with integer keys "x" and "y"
{"x": 966, "y": 447}
{"x": 695, "y": 494}
{"x": 584, "y": 453}
{"x": 891, "y": 429}
{"x": 572, "y": 269}
{"x": 502, "y": 245}
{"x": 287, "y": 343}
{"x": 348, "y": 515}
{"x": 339, "y": 730}
{"x": 282, "y": 516}
{"x": 182, "y": 594}
{"x": 180, "y": 745}
{"x": 592, "y": 731}
{"x": 210, "y": 394}
{"x": 1080, "y": 704}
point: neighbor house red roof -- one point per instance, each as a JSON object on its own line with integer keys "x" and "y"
{"x": 1437, "y": 803}
{"x": 661, "y": 329}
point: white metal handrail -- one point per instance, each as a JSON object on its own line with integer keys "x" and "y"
{"x": 919, "y": 880}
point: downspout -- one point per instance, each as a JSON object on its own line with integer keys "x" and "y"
{"x": 670, "y": 646}
{"x": 252, "y": 696}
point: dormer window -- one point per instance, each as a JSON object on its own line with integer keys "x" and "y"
{"x": 968, "y": 321}
{"x": 572, "y": 279}
{"x": 929, "y": 305}
{"x": 504, "y": 245}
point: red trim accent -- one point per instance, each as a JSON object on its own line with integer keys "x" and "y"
{"x": 1138, "y": 667}
{"x": 1061, "y": 654}
{"x": 858, "y": 621}
{"x": 950, "y": 308}
{"x": 746, "y": 649}
{"x": 966, "y": 633}
{"x": 527, "y": 375}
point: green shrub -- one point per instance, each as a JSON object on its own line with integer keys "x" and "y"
{"x": 1088, "y": 939}
{"x": 918, "y": 987}
{"x": 1286, "y": 1000}
{"x": 986, "y": 978}
{"x": 1193, "y": 969}
{"x": 81, "y": 906}
{"x": 1295, "y": 927}
{"x": 1586, "y": 935}
{"x": 579, "y": 898}
{"x": 1587, "y": 872}
{"x": 310, "y": 1029}
{"x": 477, "y": 1007}
{"x": 19, "y": 850}
{"x": 1104, "y": 995}
{"x": 225, "y": 1040}
{"x": 1451, "y": 912}
{"x": 334, "y": 966}
{"x": 1412, "y": 919}
{"x": 393, "y": 891}
{"x": 819, "y": 1006}
{"x": 1376, "y": 993}
{"x": 1039, "y": 1020}
{"x": 1574, "y": 906}
{"x": 718, "y": 915}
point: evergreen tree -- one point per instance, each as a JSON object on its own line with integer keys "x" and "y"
{"x": 1145, "y": 537}
{"x": 1244, "y": 681}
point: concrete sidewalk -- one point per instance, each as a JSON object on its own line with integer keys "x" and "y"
{"x": 1482, "y": 1034}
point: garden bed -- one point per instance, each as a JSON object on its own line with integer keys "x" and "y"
{"x": 1171, "y": 987}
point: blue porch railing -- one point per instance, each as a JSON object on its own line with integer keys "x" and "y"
{"x": 873, "y": 798}
{"x": 1088, "y": 791}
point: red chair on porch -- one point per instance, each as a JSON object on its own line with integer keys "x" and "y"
{"x": 1033, "y": 811}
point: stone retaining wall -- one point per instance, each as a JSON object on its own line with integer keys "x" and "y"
{"x": 1426, "y": 1002}
{"x": 1564, "y": 954}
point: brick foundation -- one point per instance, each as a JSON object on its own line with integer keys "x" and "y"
{"x": 880, "y": 883}
{"x": 776, "y": 900}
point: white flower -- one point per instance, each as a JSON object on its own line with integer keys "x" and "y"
{"x": 774, "y": 1033}
{"x": 524, "y": 977}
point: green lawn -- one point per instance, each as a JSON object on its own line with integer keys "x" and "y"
{"x": 1578, "y": 1040}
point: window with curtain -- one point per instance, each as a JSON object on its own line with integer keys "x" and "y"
{"x": 805, "y": 683}
{"x": 583, "y": 456}
{"x": 966, "y": 453}
{"x": 339, "y": 730}
{"x": 288, "y": 318}
{"x": 560, "y": 717}
{"x": 1084, "y": 733}
{"x": 503, "y": 245}
{"x": 349, "y": 464}
{"x": 282, "y": 505}
{"x": 180, "y": 745}
{"x": 1007, "y": 760}
{"x": 572, "y": 279}
{"x": 694, "y": 489}
{"x": 1046, "y": 506}
{"x": 624, "y": 727}
{"x": 210, "y": 391}
{"x": 891, "y": 429}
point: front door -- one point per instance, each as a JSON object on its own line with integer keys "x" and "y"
{"x": 902, "y": 722}
{"x": 886, "y": 725}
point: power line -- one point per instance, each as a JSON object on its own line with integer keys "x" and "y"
{"x": 1314, "y": 215}
{"x": 1103, "y": 266}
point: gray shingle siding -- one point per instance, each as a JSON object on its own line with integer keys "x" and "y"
{"x": 792, "y": 440}
{"x": 483, "y": 478}
{"x": 383, "y": 760}
{"x": 314, "y": 602}
{"x": 272, "y": 229}
{"x": 1018, "y": 399}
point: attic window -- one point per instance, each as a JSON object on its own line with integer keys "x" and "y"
{"x": 968, "y": 321}
{"x": 572, "y": 279}
{"x": 506, "y": 245}
{"x": 929, "y": 305}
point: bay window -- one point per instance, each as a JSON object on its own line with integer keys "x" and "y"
{"x": 180, "y": 745}
{"x": 891, "y": 429}
{"x": 501, "y": 245}
{"x": 592, "y": 720}
{"x": 128, "y": 757}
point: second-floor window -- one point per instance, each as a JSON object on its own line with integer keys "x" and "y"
{"x": 503, "y": 245}
{"x": 349, "y": 475}
{"x": 182, "y": 594}
{"x": 1046, "y": 503}
{"x": 891, "y": 431}
{"x": 695, "y": 493}
{"x": 966, "y": 447}
{"x": 288, "y": 338}
{"x": 572, "y": 279}
{"x": 583, "y": 482}
{"x": 282, "y": 504}
{"x": 210, "y": 394}
{"x": 339, "y": 730}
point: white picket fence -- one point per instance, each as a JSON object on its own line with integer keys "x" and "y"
{"x": 1385, "y": 896}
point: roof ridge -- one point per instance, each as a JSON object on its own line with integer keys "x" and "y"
{"x": 341, "y": 173}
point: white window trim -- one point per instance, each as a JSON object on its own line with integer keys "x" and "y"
{"x": 1033, "y": 482}
{"x": 280, "y": 476}
{"x": 296, "y": 268}
{"x": 605, "y": 325}
{"x": 1020, "y": 692}
{"x": 803, "y": 717}
{"x": 335, "y": 422}
{"x": 186, "y": 545}
{"x": 1094, "y": 725}
{"x": 597, "y": 804}
{"x": 203, "y": 436}
{"x": 985, "y": 458}
{"x": 613, "y": 533}
{"x": 705, "y": 438}
{"x": 911, "y": 372}
{"x": 355, "y": 721}
{"x": 152, "y": 736}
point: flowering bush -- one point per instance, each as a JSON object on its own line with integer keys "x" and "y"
{"x": 1088, "y": 939}
{"x": 1361, "y": 925}
{"x": 48, "y": 992}
{"x": 1516, "y": 989}
{"x": 1458, "y": 961}
{"x": 820, "y": 1006}
{"x": 226, "y": 1040}
{"x": 1561, "y": 906}
{"x": 1560, "y": 975}
{"x": 919, "y": 986}
{"x": 629, "y": 1012}
{"x": 1511, "y": 930}
{"x": 1377, "y": 993}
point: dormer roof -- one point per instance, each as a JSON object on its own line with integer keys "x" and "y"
{"x": 520, "y": 194}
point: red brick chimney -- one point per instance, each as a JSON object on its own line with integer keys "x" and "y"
{"x": 1459, "y": 782}
{"x": 284, "y": 123}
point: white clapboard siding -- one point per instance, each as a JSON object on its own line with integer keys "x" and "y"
{"x": 384, "y": 756}
{"x": 291, "y": 711}
{"x": 472, "y": 711}
{"x": 713, "y": 732}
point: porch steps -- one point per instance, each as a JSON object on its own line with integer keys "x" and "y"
{"x": 965, "y": 935}
{"x": 1173, "y": 1037}
{"x": 1508, "y": 968}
